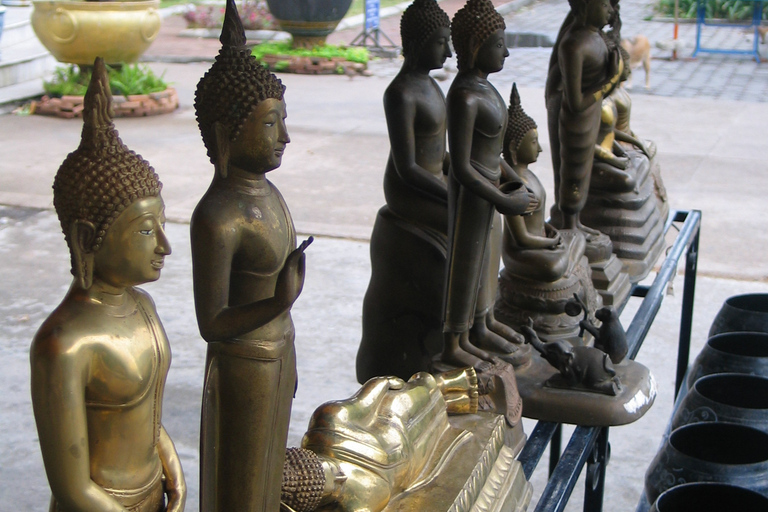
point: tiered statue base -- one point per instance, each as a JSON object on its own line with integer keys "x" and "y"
{"x": 402, "y": 309}
{"x": 477, "y": 471}
{"x": 608, "y": 276}
{"x": 546, "y": 397}
{"x": 521, "y": 298}
{"x": 634, "y": 221}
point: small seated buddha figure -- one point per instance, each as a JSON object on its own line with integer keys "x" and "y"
{"x": 100, "y": 360}
{"x": 403, "y": 305}
{"x": 247, "y": 273}
{"x": 624, "y": 200}
{"x": 543, "y": 267}
{"x": 476, "y": 121}
{"x": 398, "y": 445}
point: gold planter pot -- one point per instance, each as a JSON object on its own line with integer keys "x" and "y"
{"x": 78, "y": 32}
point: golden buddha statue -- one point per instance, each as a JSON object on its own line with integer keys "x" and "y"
{"x": 100, "y": 360}
{"x": 476, "y": 120}
{"x": 247, "y": 273}
{"x": 415, "y": 445}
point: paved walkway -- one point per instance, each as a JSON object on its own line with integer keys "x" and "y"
{"x": 712, "y": 155}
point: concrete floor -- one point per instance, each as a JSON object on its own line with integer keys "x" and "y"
{"x": 712, "y": 155}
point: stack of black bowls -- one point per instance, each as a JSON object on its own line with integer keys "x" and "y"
{"x": 716, "y": 456}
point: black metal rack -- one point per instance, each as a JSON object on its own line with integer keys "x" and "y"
{"x": 589, "y": 445}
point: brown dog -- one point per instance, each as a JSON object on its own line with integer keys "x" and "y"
{"x": 639, "y": 50}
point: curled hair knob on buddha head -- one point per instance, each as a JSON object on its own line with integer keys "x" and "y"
{"x": 470, "y": 27}
{"x": 518, "y": 124}
{"x": 419, "y": 22}
{"x": 230, "y": 90}
{"x": 98, "y": 180}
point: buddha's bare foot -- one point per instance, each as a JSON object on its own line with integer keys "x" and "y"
{"x": 481, "y": 336}
{"x": 503, "y": 330}
{"x": 590, "y": 233}
{"x": 454, "y": 353}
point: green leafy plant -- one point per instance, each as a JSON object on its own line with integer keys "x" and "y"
{"x": 123, "y": 80}
{"x": 328, "y": 51}
{"x": 731, "y": 10}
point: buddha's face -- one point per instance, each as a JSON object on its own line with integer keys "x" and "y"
{"x": 261, "y": 142}
{"x": 436, "y": 49}
{"x": 598, "y": 12}
{"x": 135, "y": 245}
{"x": 529, "y": 148}
{"x": 492, "y": 53}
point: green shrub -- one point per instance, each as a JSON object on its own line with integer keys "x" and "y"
{"x": 123, "y": 80}
{"x": 732, "y": 10}
{"x": 328, "y": 51}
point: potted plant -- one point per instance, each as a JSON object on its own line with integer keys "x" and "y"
{"x": 77, "y": 31}
{"x": 308, "y": 21}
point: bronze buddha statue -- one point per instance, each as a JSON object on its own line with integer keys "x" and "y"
{"x": 100, "y": 360}
{"x": 543, "y": 267}
{"x": 582, "y": 71}
{"x": 627, "y": 200}
{"x": 247, "y": 273}
{"x": 476, "y": 122}
{"x": 402, "y": 309}
{"x": 403, "y": 304}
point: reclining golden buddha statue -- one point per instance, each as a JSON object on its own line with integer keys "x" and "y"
{"x": 393, "y": 446}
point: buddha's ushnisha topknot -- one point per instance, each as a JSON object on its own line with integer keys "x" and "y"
{"x": 518, "y": 124}
{"x": 477, "y": 18}
{"x": 235, "y": 84}
{"x": 102, "y": 177}
{"x": 419, "y": 22}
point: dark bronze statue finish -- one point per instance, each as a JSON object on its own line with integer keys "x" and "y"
{"x": 403, "y": 305}
{"x": 477, "y": 118}
{"x": 582, "y": 71}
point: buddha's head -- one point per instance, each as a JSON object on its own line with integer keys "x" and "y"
{"x": 477, "y": 31}
{"x": 108, "y": 201}
{"x": 521, "y": 139}
{"x": 425, "y": 30}
{"x": 594, "y": 13}
{"x": 239, "y": 106}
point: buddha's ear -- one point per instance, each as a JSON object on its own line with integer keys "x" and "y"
{"x": 476, "y": 44}
{"x": 81, "y": 236}
{"x": 512, "y": 156}
{"x": 222, "y": 148}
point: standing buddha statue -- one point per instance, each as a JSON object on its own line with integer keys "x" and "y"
{"x": 476, "y": 122}
{"x": 247, "y": 273}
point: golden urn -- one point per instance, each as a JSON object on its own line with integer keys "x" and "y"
{"x": 78, "y": 32}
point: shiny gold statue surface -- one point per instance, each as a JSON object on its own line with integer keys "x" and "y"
{"x": 247, "y": 273}
{"x": 99, "y": 361}
{"x": 477, "y": 116}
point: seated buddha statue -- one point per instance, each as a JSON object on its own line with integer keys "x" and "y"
{"x": 543, "y": 267}
{"x": 247, "y": 273}
{"x": 403, "y": 304}
{"x": 476, "y": 121}
{"x": 626, "y": 199}
{"x": 100, "y": 360}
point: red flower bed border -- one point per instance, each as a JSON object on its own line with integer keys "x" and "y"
{"x": 138, "y": 105}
